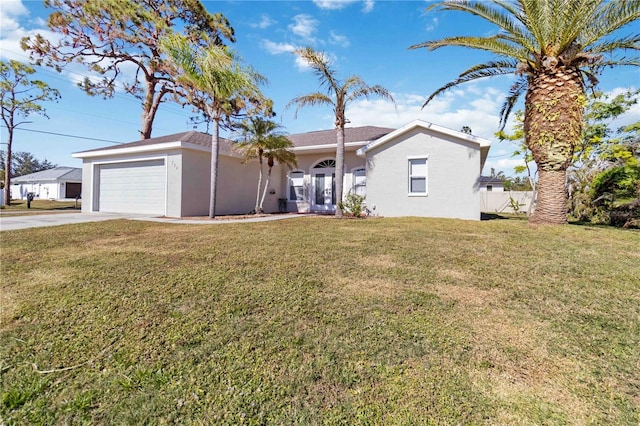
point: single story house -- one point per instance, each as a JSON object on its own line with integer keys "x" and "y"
{"x": 420, "y": 169}
{"x": 488, "y": 183}
{"x": 58, "y": 183}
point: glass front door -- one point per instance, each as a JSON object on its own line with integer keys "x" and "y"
{"x": 324, "y": 198}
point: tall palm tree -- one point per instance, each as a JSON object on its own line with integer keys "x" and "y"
{"x": 338, "y": 95}
{"x": 262, "y": 140}
{"x": 216, "y": 84}
{"x": 556, "y": 48}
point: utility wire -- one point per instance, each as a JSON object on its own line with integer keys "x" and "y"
{"x": 66, "y": 135}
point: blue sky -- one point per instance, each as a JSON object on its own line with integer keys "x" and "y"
{"x": 365, "y": 38}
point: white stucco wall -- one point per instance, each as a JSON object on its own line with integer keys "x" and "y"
{"x": 453, "y": 169}
{"x": 42, "y": 190}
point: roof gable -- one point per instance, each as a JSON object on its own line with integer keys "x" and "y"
{"x": 426, "y": 126}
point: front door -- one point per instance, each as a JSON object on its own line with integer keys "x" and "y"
{"x": 323, "y": 196}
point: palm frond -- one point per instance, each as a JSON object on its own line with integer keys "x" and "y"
{"x": 476, "y": 72}
{"x": 493, "y": 68}
{"x": 505, "y": 21}
{"x": 309, "y": 100}
{"x": 609, "y": 46}
{"x": 321, "y": 67}
{"x": 611, "y": 17}
{"x": 491, "y": 44}
{"x": 515, "y": 91}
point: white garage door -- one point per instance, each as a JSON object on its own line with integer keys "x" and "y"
{"x": 136, "y": 187}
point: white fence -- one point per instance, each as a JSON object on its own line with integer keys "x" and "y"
{"x": 504, "y": 202}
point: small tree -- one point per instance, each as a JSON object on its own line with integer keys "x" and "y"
{"x": 110, "y": 36}
{"x": 339, "y": 95}
{"x": 24, "y": 163}
{"x": 20, "y": 97}
{"x": 216, "y": 84}
{"x": 261, "y": 140}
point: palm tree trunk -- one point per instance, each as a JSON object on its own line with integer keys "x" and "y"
{"x": 553, "y": 128}
{"x": 339, "y": 168}
{"x": 214, "y": 167}
{"x": 551, "y": 204}
{"x": 7, "y": 169}
{"x": 258, "y": 208}
{"x": 264, "y": 193}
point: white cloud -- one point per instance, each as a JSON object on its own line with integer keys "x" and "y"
{"x": 341, "y": 4}
{"x": 277, "y": 48}
{"x": 304, "y": 26}
{"x": 10, "y": 11}
{"x": 265, "y": 22}
{"x": 338, "y": 39}
{"x": 432, "y": 25}
{"x": 368, "y": 6}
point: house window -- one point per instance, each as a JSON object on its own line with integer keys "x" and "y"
{"x": 418, "y": 176}
{"x": 325, "y": 164}
{"x": 360, "y": 181}
{"x": 489, "y": 187}
{"x": 296, "y": 186}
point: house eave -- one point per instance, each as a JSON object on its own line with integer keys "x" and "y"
{"x": 327, "y": 147}
{"x": 481, "y": 142}
{"x": 147, "y": 149}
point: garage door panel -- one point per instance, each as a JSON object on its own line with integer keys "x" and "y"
{"x": 136, "y": 187}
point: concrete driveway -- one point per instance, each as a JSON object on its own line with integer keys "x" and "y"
{"x": 9, "y": 222}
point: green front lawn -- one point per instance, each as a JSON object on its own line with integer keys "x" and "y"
{"x": 320, "y": 321}
{"x": 39, "y": 206}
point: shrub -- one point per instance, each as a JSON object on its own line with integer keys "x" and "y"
{"x": 352, "y": 204}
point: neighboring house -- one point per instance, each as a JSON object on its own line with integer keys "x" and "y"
{"x": 418, "y": 170}
{"x": 58, "y": 183}
{"x": 491, "y": 184}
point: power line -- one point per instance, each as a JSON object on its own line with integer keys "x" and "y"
{"x": 66, "y": 135}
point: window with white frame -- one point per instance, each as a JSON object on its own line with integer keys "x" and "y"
{"x": 296, "y": 186}
{"x": 360, "y": 181}
{"x": 418, "y": 175}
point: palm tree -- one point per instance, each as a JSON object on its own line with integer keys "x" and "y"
{"x": 262, "y": 140}
{"x": 339, "y": 95}
{"x": 217, "y": 85}
{"x": 556, "y": 48}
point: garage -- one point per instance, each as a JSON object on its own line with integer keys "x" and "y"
{"x": 132, "y": 187}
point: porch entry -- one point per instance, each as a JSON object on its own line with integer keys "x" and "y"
{"x": 323, "y": 185}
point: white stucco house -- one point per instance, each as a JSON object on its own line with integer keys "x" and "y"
{"x": 491, "y": 184}
{"x": 420, "y": 169}
{"x": 58, "y": 183}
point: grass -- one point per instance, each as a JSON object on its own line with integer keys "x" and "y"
{"x": 19, "y": 207}
{"x": 320, "y": 321}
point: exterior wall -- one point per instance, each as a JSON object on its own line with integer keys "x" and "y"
{"x": 188, "y": 183}
{"x": 453, "y": 168}
{"x": 500, "y": 202}
{"x": 495, "y": 187}
{"x": 195, "y": 179}
{"x": 43, "y": 190}
{"x": 305, "y": 164}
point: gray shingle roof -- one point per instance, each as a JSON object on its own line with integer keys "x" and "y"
{"x": 351, "y": 134}
{"x": 322, "y": 137}
{"x": 192, "y": 137}
{"x": 489, "y": 179}
{"x": 52, "y": 175}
